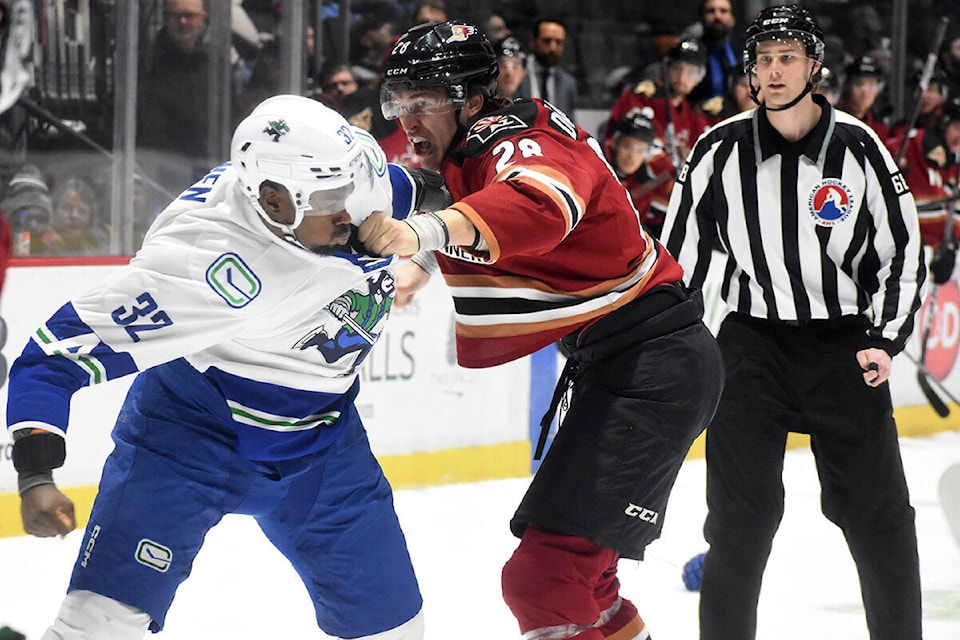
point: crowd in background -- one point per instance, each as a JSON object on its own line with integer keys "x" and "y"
{"x": 636, "y": 74}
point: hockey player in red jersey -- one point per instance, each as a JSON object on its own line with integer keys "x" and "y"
{"x": 679, "y": 123}
{"x": 643, "y": 168}
{"x": 542, "y": 244}
{"x": 932, "y": 171}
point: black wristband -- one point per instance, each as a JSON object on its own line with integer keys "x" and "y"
{"x": 38, "y": 452}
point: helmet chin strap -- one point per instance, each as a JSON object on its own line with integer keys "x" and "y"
{"x": 287, "y": 231}
{"x": 755, "y": 91}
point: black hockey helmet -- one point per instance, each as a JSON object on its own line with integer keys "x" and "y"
{"x": 864, "y": 67}
{"x": 690, "y": 51}
{"x": 510, "y": 47}
{"x": 452, "y": 55}
{"x": 637, "y": 124}
{"x": 786, "y": 22}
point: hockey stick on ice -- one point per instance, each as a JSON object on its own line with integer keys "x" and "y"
{"x": 927, "y": 381}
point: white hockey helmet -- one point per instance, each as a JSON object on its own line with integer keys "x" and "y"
{"x": 307, "y": 147}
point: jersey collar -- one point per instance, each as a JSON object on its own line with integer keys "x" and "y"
{"x": 813, "y": 145}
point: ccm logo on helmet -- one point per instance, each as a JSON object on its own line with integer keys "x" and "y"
{"x": 399, "y": 71}
{"x": 771, "y": 21}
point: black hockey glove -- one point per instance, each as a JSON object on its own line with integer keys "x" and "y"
{"x": 432, "y": 192}
{"x": 943, "y": 262}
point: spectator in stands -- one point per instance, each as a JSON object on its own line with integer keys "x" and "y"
{"x": 371, "y": 40}
{"x": 931, "y": 169}
{"x": 496, "y": 28}
{"x": 642, "y": 167}
{"x": 863, "y": 83}
{"x": 173, "y": 102}
{"x": 76, "y": 229}
{"x": 336, "y": 83}
{"x": 26, "y": 202}
{"x": 512, "y": 59}
{"x": 545, "y": 78}
{"x": 429, "y": 11}
{"x": 360, "y": 105}
{"x": 678, "y": 122}
{"x": 716, "y": 25}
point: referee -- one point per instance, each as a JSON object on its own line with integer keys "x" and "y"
{"x": 823, "y": 272}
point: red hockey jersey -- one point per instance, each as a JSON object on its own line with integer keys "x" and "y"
{"x": 932, "y": 175}
{"x": 565, "y": 243}
{"x": 688, "y": 122}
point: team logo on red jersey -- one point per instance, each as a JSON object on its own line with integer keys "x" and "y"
{"x": 486, "y": 128}
{"x": 460, "y": 32}
{"x": 830, "y": 202}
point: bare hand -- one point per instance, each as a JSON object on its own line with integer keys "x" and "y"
{"x": 47, "y": 512}
{"x": 385, "y": 236}
{"x": 876, "y": 366}
{"x": 410, "y": 279}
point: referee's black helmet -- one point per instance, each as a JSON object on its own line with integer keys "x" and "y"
{"x": 786, "y": 22}
{"x": 452, "y": 55}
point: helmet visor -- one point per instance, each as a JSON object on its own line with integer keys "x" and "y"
{"x": 396, "y": 102}
{"x": 329, "y": 201}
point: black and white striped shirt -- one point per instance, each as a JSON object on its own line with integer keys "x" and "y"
{"x": 817, "y": 229}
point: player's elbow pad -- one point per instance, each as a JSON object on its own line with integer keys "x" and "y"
{"x": 431, "y": 190}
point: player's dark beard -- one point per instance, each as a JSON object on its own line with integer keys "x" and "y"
{"x": 330, "y": 249}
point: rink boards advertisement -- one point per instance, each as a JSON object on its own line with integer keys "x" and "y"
{"x": 430, "y": 421}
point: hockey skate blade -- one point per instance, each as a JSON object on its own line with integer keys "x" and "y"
{"x": 950, "y": 498}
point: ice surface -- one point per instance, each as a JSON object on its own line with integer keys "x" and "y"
{"x": 241, "y": 588}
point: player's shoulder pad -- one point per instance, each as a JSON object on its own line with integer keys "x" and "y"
{"x": 713, "y": 106}
{"x": 495, "y": 126}
{"x": 645, "y": 88}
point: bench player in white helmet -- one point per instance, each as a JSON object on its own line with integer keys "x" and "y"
{"x": 245, "y": 316}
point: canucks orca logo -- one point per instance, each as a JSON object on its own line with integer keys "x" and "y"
{"x": 830, "y": 202}
{"x": 355, "y": 317}
{"x": 276, "y": 128}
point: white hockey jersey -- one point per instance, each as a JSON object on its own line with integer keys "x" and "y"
{"x": 279, "y": 330}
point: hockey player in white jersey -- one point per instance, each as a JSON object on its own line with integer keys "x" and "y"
{"x": 246, "y": 315}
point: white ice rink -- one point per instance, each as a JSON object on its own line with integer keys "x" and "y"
{"x": 243, "y": 590}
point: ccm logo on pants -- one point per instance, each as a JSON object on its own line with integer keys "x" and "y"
{"x": 643, "y": 513}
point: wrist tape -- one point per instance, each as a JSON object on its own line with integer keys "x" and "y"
{"x": 431, "y": 230}
{"x": 38, "y": 452}
{"x": 427, "y": 261}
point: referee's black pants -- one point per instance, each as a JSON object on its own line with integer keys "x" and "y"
{"x": 782, "y": 378}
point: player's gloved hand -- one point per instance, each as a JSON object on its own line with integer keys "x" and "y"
{"x": 943, "y": 263}
{"x": 431, "y": 190}
{"x": 47, "y": 512}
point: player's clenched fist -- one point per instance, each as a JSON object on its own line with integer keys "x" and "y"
{"x": 384, "y": 236}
